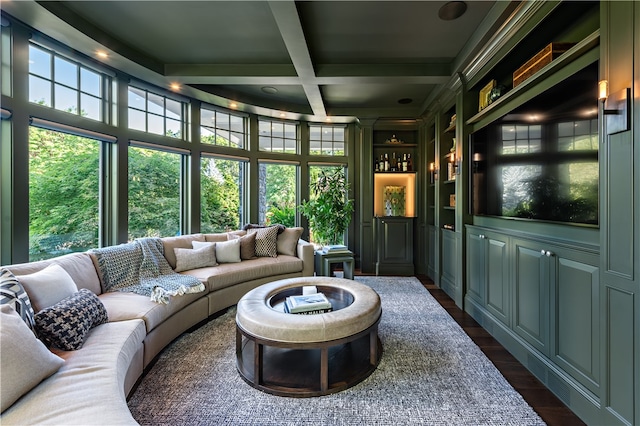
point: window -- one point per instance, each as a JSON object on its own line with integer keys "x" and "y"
{"x": 278, "y": 136}
{"x": 580, "y": 135}
{"x": 521, "y": 138}
{"x": 326, "y": 140}
{"x": 277, "y": 193}
{"x": 222, "y": 194}
{"x": 63, "y": 193}
{"x": 154, "y": 193}
{"x": 65, "y": 85}
{"x": 153, "y": 113}
{"x": 222, "y": 129}
{"x": 314, "y": 172}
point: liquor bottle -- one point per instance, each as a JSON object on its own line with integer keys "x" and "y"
{"x": 409, "y": 163}
{"x": 394, "y": 163}
{"x": 376, "y": 165}
{"x": 404, "y": 162}
{"x": 386, "y": 162}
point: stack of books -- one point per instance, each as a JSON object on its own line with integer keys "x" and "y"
{"x": 307, "y": 304}
{"x": 335, "y": 248}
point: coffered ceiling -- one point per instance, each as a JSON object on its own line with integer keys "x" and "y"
{"x": 301, "y": 59}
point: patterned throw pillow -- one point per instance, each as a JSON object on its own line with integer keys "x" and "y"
{"x": 266, "y": 241}
{"x": 65, "y": 325}
{"x": 12, "y": 293}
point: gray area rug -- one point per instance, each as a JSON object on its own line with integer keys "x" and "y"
{"x": 431, "y": 373}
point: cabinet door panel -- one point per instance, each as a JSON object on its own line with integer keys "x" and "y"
{"x": 448, "y": 259}
{"x": 498, "y": 279}
{"x": 476, "y": 275}
{"x": 531, "y": 295}
{"x": 576, "y": 320}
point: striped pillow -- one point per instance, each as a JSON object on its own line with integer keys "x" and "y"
{"x": 12, "y": 293}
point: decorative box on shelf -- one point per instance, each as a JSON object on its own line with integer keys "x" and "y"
{"x": 539, "y": 60}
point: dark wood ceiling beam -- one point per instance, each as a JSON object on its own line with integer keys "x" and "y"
{"x": 290, "y": 27}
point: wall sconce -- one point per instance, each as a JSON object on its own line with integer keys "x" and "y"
{"x": 603, "y": 90}
{"x": 433, "y": 172}
{"x": 451, "y": 166}
{"x": 615, "y": 108}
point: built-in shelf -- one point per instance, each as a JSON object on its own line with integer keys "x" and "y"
{"x": 448, "y": 208}
{"x": 570, "y": 55}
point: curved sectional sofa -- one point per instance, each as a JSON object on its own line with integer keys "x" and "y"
{"x": 93, "y": 382}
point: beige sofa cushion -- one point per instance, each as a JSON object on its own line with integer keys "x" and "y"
{"x": 47, "y": 286}
{"x": 101, "y": 365}
{"x": 228, "y": 274}
{"x": 183, "y": 241}
{"x": 122, "y": 306}
{"x": 287, "y": 242}
{"x": 214, "y": 238}
{"x": 25, "y": 361}
{"x": 78, "y": 265}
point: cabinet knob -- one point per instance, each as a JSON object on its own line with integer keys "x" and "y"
{"x": 482, "y": 236}
{"x": 549, "y": 253}
{"x": 543, "y": 252}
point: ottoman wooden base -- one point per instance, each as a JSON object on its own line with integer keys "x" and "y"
{"x": 299, "y": 367}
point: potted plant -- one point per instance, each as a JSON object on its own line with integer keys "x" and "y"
{"x": 329, "y": 213}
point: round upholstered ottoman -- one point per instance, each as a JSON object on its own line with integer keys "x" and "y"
{"x": 308, "y": 355}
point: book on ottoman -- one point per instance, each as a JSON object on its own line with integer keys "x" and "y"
{"x": 307, "y": 303}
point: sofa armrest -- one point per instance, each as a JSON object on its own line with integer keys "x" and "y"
{"x": 306, "y": 252}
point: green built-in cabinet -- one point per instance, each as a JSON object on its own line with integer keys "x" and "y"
{"x": 394, "y": 245}
{"x": 540, "y": 298}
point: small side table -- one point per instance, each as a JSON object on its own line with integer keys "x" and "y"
{"x": 324, "y": 260}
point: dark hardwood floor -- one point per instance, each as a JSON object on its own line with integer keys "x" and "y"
{"x": 545, "y": 403}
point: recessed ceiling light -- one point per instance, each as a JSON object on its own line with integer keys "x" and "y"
{"x": 233, "y": 105}
{"x": 405, "y": 101}
{"x": 175, "y": 86}
{"x": 270, "y": 90}
{"x": 282, "y": 114}
{"x": 452, "y": 10}
{"x": 102, "y": 54}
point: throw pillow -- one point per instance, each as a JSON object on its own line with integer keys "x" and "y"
{"x": 48, "y": 286}
{"x": 266, "y": 241}
{"x": 288, "y": 241}
{"x": 197, "y": 257}
{"x": 25, "y": 361}
{"x": 65, "y": 325}
{"x": 12, "y": 294}
{"x": 247, "y": 245}
{"x": 228, "y": 251}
